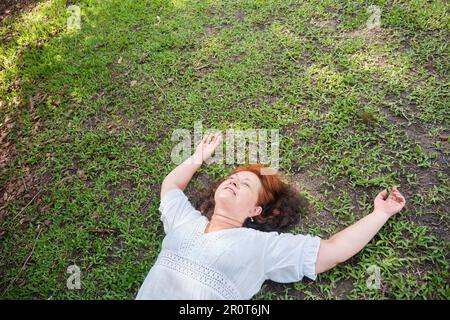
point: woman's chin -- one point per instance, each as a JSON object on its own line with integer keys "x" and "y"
{"x": 224, "y": 196}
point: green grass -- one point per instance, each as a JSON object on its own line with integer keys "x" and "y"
{"x": 357, "y": 111}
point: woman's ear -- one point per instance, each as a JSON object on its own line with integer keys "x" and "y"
{"x": 256, "y": 211}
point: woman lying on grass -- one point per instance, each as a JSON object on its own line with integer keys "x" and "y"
{"x": 224, "y": 256}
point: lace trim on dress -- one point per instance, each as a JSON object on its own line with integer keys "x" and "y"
{"x": 206, "y": 275}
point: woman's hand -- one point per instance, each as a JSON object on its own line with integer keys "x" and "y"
{"x": 182, "y": 174}
{"x": 348, "y": 242}
{"x": 391, "y": 204}
{"x": 208, "y": 145}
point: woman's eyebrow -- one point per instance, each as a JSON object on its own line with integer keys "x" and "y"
{"x": 234, "y": 174}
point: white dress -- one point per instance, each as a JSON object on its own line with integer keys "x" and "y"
{"x": 226, "y": 264}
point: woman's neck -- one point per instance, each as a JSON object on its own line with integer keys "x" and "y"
{"x": 222, "y": 220}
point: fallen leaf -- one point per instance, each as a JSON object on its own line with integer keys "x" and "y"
{"x": 21, "y": 189}
{"x": 81, "y": 175}
{"x": 104, "y": 230}
{"x": 31, "y": 105}
{"x": 133, "y": 83}
{"x": 24, "y": 220}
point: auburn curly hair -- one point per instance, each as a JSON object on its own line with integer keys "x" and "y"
{"x": 282, "y": 206}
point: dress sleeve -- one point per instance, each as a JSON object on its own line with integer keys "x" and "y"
{"x": 176, "y": 209}
{"x": 289, "y": 257}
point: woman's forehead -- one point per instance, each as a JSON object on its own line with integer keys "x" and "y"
{"x": 247, "y": 175}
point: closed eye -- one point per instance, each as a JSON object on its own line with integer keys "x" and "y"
{"x": 244, "y": 183}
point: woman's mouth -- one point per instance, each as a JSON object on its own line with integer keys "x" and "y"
{"x": 228, "y": 188}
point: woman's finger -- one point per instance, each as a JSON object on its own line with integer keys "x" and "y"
{"x": 382, "y": 195}
{"x": 217, "y": 141}
{"x": 402, "y": 198}
{"x": 210, "y": 137}
{"x": 215, "y": 137}
{"x": 398, "y": 194}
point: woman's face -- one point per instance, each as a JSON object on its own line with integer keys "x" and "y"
{"x": 238, "y": 194}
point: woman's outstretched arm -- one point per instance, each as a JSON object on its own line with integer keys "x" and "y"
{"x": 351, "y": 240}
{"x": 182, "y": 174}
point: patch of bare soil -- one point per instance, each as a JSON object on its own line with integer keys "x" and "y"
{"x": 370, "y": 35}
{"x": 26, "y": 191}
{"x": 304, "y": 182}
{"x": 427, "y": 178}
{"x": 327, "y": 24}
{"x": 8, "y": 151}
{"x": 13, "y": 7}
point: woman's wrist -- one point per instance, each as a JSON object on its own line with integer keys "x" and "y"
{"x": 381, "y": 214}
{"x": 196, "y": 158}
